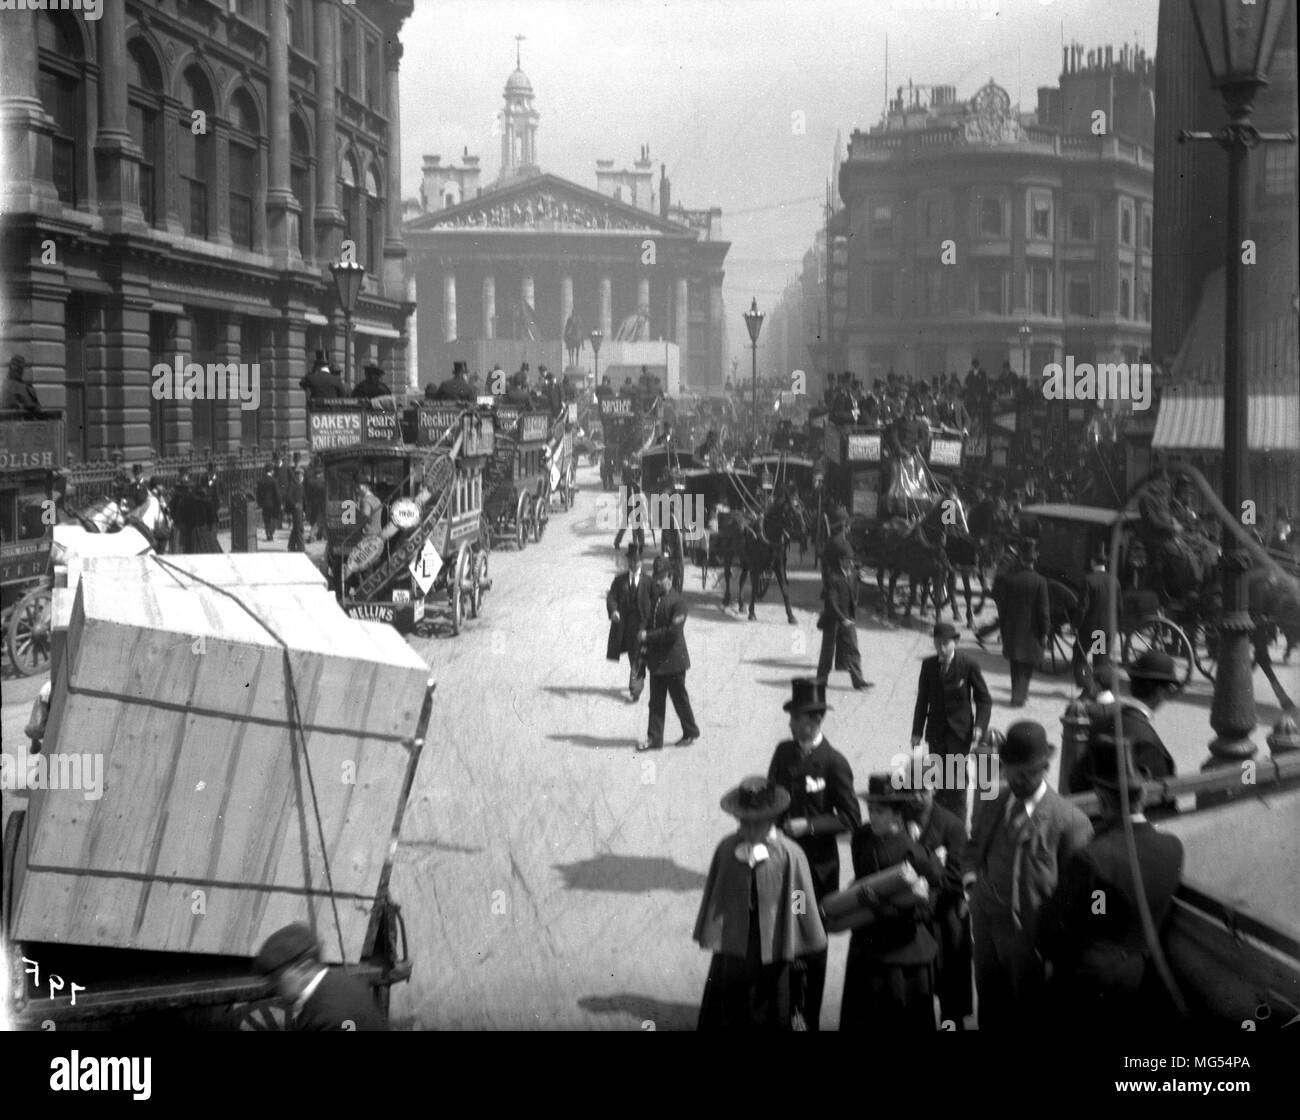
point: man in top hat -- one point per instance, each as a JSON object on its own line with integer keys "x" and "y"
{"x": 17, "y": 394}
{"x": 628, "y": 602}
{"x": 823, "y": 805}
{"x": 1153, "y": 681}
{"x": 322, "y": 383}
{"x": 1019, "y": 842}
{"x": 838, "y": 621}
{"x": 1094, "y": 642}
{"x": 663, "y": 637}
{"x": 269, "y": 500}
{"x": 952, "y": 705}
{"x": 1025, "y": 617}
{"x": 757, "y": 918}
{"x": 889, "y": 975}
{"x": 604, "y": 390}
{"x": 373, "y": 386}
{"x": 457, "y": 386}
{"x": 323, "y": 999}
{"x": 1101, "y": 962}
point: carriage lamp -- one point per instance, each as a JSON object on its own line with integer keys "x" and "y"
{"x": 347, "y": 283}
{"x": 753, "y": 324}
{"x": 1237, "y": 41}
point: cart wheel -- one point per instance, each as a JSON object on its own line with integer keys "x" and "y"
{"x": 264, "y": 1015}
{"x": 13, "y": 833}
{"x": 1058, "y": 655}
{"x": 1160, "y": 634}
{"x": 456, "y": 592}
{"x": 28, "y": 635}
{"x": 541, "y": 515}
{"x": 1205, "y": 648}
{"x": 523, "y": 521}
{"x": 480, "y": 562}
{"x": 484, "y": 532}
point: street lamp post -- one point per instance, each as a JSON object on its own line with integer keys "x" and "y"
{"x": 1026, "y": 336}
{"x": 597, "y": 336}
{"x": 754, "y": 324}
{"x": 347, "y": 281}
{"x": 1237, "y": 40}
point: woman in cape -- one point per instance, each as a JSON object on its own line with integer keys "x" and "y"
{"x": 758, "y": 917}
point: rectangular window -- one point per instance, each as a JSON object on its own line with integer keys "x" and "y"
{"x": 990, "y": 296}
{"x": 932, "y": 301}
{"x": 882, "y": 291}
{"x": 374, "y": 75}
{"x": 143, "y": 123}
{"x": 1040, "y": 217}
{"x": 253, "y": 10}
{"x": 243, "y": 194}
{"x": 74, "y": 328}
{"x": 1125, "y": 222}
{"x": 1125, "y": 308}
{"x": 991, "y": 217}
{"x": 300, "y": 184}
{"x": 882, "y": 223}
{"x": 348, "y": 55}
{"x": 1146, "y": 230}
{"x": 59, "y": 96}
{"x": 1080, "y": 294}
{"x": 1040, "y": 296}
{"x": 1144, "y": 308}
{"x": 299, "y": 30}
{"x": 203, "y": 413}
{"x": 1080, "y": 223}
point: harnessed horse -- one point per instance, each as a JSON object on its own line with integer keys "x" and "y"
{"x": 918, "y": 549}
{"x": 758, "y": 545}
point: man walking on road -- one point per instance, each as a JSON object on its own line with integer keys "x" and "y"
{"x": 1025, "y": 614}
{"x": 949, "y": 685}
{"x": 823, "y": 805}
{"x": 664, "y": 641}
{"x": 1099, "y": 597}
{"x": 839, "y": 612}
{"x": 627, "y": 603}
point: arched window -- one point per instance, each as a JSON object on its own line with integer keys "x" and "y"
{"x": 61, "y": 61}
{"x": 300, "y": 182}
{"x": 144, "y": 115}
{"x": 349, "y": 200}
{"x": 245, "y": 170}
{"x": 374, "y": 223}
{"x": 196, "y": 153}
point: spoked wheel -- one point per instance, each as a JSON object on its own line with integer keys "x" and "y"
{"x": 1205, "y": 648}
{"x": 484, "y": 532}
{"x": 1167, "y": 637}
{"x": 456, "y": 589}
{"x": 27, "y": 636}
{"x": 480, "y": 580}
{"x": 541, "y": 515}
{"x": 1059, "y": 652}
{"x": 523, "y": 515}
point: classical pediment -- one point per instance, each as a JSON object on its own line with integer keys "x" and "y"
{"x": 544, "y": 203}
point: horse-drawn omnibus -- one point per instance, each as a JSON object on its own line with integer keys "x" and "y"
{"x": 518, "y": 477}
{"x": 623, "y": 431}
{"x": 404, "y": 500}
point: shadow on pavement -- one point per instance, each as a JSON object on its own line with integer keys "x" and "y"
{"x": 630, "y": 875}
{"x": 438, "y": 846}
{"x": 645, "y": 1009}
{"x": 565, "y": 691}
{"x": 778, "y": 663}
{"x": 623, "y": 742}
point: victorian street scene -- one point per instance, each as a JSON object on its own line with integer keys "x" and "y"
{"x": 733, "y": 516}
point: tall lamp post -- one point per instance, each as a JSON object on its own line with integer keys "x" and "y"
{"x": 347, "y": 281}
{"x": 597, "y": 337}
{"x": 753, "y": 324}
{"x": 1026, "y": 337}
{"x": 1237, "y": 41}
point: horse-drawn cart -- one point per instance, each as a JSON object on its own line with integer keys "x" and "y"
{"x": 404, "y": 501}
{"x": 517, "y": 479}
{"x": 561, "y": 463}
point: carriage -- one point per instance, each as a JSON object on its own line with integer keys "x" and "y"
{"x": 560, "y": 458}
{"x": 623, "y": 431}
{"x": 517, "y": 478}
{"x": 404, "y": 501}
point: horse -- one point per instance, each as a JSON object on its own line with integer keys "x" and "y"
{"x": 918, "y": 549}
{"x": 758, "y": 547}
{"x": 965, "y": 556}
{"x": 152, "y": 518}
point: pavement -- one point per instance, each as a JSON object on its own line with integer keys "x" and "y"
{"x": 549, "y": 875}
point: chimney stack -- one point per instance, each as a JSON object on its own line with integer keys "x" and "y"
{"x": 665, "y": 191}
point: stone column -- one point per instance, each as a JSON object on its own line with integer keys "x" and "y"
{"x": 489, "y": 307}
{"x": 449, "y": 307}
{"x": 219, "y": 199}
{"x": 328, "y": 217}
{"x": 527, "y": 292}
{"x": 714, "y": 375}
{"x": 117, "y": 159}
{"x": 394, "y": 250}
{"x": 178, "y": 417}
{"x": 282, "y": 210}
{"x": 682, "y": 318}
{"x": 566, "y": 301}
{"x": 606, "y": 308}
{"x": 29, "y": 164}
{"x": 125, "y": 385}
{"x": 410, "y": 340}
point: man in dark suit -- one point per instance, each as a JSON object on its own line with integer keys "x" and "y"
{"x": 321, "y": 383}
{"x": 823, "y": 805}
{"x": 373, "y": 386}
{"x": 635, "y": 509}
{"x": 839, "y": 614}
{"x": 1019, "y": 842}
{"x": 323, "y": 999}
{"x": 269, "y": 499}
{"x": 663, "y": 638}
{"x": 457, "y": 386}
{"x": 1152, "y": 681}
{"x": 952, "y": 704}
{"x": 1100, "y": 596}
{"x": 1025, "y": 615}
{"x": 1101, "y": 960}
{"x": 627, "y": 603}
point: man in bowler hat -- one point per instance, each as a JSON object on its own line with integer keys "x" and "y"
{"x": 823, "y": 805}
{"x": 628, "y": 602}
{"x": 1025, "y": 614}
{"x": 1019, "y": 842}
{"x": 952, "y": 706}
{"x": 663, "y": 638}
{"x": 1101, "y": 962}
{"x": 839, "y": 614}
{"x": 322, "y": 999}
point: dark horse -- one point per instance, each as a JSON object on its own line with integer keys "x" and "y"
{"x": 758, "y": 548}
{"x": 917, "y": 549}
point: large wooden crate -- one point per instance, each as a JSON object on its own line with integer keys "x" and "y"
{"x": 207, "y": 837}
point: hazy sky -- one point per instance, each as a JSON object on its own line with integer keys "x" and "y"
{"x": 711, "y": 86}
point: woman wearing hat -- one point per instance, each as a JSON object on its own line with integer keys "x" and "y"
{"x": 889, "y": 977}
{"x": 758, "y": 917}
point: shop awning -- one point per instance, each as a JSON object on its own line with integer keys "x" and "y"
{"x": 1193, "y": 421}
